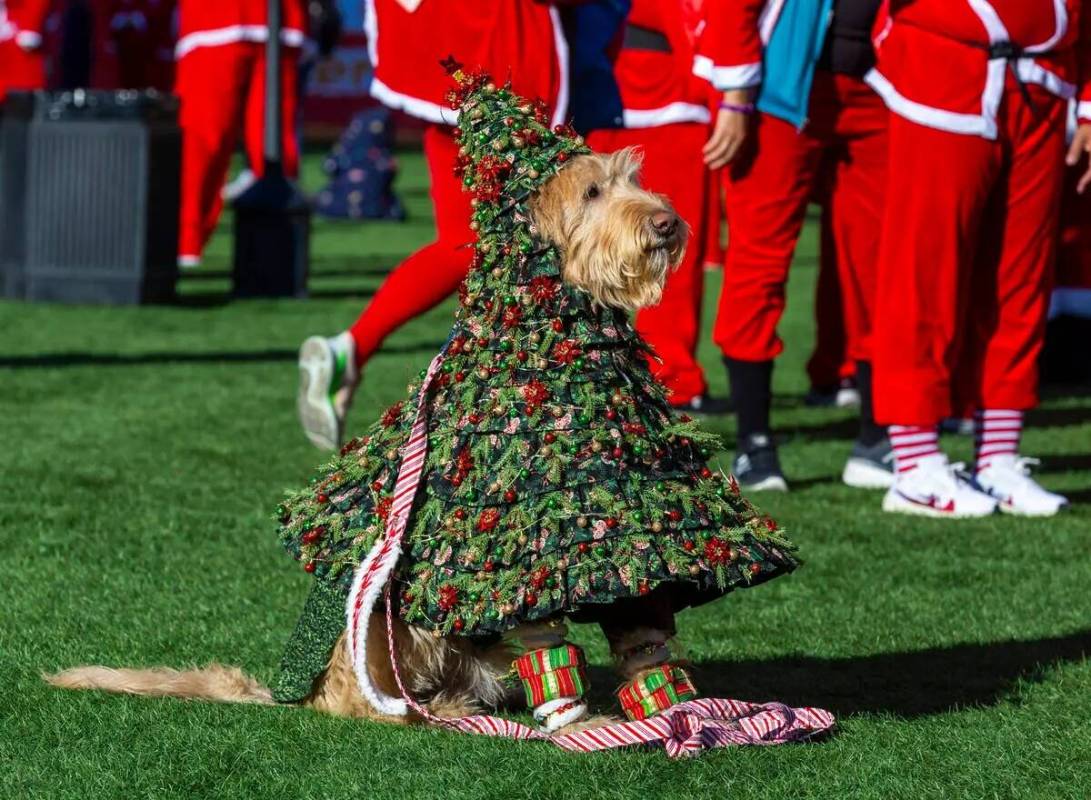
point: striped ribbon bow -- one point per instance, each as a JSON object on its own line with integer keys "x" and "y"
{"x": 682, "y": 730}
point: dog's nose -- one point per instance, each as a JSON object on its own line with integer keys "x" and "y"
{"x": 665, "y": 223}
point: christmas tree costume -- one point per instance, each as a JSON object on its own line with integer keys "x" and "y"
{"x": 555, "y": 480}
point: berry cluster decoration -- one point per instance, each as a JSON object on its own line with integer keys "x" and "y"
{"x": 557, "y": 474}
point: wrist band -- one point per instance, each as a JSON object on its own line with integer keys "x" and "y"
{"x": 746, "y": 108}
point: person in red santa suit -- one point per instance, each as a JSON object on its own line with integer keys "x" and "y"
{"x": 220, "y": 81}
{"x": 771, "y": 168}
{"x": 22, "y": 23}
{"x": 517, "y": 39}
{"x": 665, "y": 116}
{"x": 978, "y": 93}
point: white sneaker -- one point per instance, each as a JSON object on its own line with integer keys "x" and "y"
{"x": 1007, "y": 478}
{"x": 235, "y": 189}
{"x": 935, "y": 488}
{"x": 327, "y": 380}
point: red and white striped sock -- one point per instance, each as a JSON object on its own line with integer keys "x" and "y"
{"x": 996, "y": 433}
{"x": 911, "y": 443}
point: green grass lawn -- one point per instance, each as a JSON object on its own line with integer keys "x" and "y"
{"x": 143, "y": 450}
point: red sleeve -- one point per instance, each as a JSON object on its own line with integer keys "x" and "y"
{"x": 730, "y": 46}
{"x": 1083, "y": 63}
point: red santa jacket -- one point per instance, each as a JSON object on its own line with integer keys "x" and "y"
{"x": 658, "y": 86}
{"x": 23, "y": 21}
{"x": 732, "y": 41}
{"x": 517, "y": 39}
{"x": 211, "y": 23}
{"x": 935, "y": 66}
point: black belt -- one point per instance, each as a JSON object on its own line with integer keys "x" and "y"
{"x": 640, "y": 38}
{"x": 1011, "y": 53}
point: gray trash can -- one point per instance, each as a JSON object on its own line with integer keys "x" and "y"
{"x": 89, "y": 191}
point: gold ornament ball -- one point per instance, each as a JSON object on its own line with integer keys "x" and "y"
{"x": 657, "y": 526}
{"x": 522, "y": 540}
{"x": 694, "y": 569}
{"x": 535, "y": 338}
{"x": 596, "y": 446}
{"x": 581, "y": 521}
{"x": 391, "y": 455}
{"x": 497, "y": 272}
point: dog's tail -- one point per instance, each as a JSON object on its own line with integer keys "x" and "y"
{"x": 215, "y": 682}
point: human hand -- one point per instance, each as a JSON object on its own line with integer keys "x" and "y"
{"x": 1081, "y": 143}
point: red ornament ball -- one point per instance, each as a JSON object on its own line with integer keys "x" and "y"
{"x": 308, "y": 567}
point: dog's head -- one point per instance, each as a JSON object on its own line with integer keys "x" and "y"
{"x": 617, "y": 240}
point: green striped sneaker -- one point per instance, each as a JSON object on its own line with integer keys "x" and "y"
{"x": 327, "y": 380}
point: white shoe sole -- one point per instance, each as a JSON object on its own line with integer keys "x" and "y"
{"x": 896, "y": 504}
{"x": 861, "y": 474}
{"x": 316, "y": 412}
{"x": 774, "y": 483}
{"x": 1023, "y": 512}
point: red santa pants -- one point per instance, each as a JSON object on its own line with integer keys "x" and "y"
{"x": 673, "y": 167}
{"x": 20, "y": 70}
{"x": 434, "y": 272}
{"x": 965, "y": 263}
{"x": 767, "y": 191}
{"x": 222, "y": 93}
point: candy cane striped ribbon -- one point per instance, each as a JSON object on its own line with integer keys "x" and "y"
{"x": 682, "y": 730}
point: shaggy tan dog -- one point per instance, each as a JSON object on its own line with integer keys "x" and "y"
{"x": 618, "y": 242}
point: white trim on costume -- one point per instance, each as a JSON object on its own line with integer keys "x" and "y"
{"x": 423, "y": 109}
{"x": 232, "y": 34}
{"x": 1083, "y": 110}
{"x": 560, "y": 109}
{"x": 1033, "y": 72}
{"x": 767, "y": 21}
{"x": 931, "y": 117}
{"x": 371, "y": 30}
{"x": 741, "y": 76}
{"x": 665, "y": 115}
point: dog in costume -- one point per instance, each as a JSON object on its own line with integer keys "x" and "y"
{"x": 534, "y": 473}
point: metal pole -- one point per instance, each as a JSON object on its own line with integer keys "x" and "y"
{"x": 272, "y": 88}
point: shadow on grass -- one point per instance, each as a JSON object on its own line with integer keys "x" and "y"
{"x": 907, "y": 685}
{"x": 75, "y": 359}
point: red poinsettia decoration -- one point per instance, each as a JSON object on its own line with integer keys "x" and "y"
{"x": 512, "y": 316}
{"x": 382, "y": 508}
{"x": 489, "y": 177}
{"x": 448, "y": 597}
{"x": 543, "y": 288}
{"x": 538, "y": 577}
{"x": 566, "y": 351}
{"x": 535, "y": 393}
{"x": 488, "y": 520}
{"x": 541, "y": 112}
{"x": 717, "y": 551}
{"x": 464, "y": 463}
{"x": 392, "y": 414}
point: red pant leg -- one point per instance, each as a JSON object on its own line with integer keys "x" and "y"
{"x": 211, "y": 84}
{"x": 766, "y": 195}
{"x": 857, "y": 164}
{"x": 828, "y": 360}
{"x": 1013, "y": 270}
{"x": 941, "y": 181}
{"x": 20, "y": 70}
{"x": 672, "y": 167}
{"x": 432, "y": 273}
{"x": 254, "y": 123}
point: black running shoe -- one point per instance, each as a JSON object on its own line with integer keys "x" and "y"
{"x": 757, "y": 467}
{"x": 870, "y": 466}
{"x": 705, "y": 404}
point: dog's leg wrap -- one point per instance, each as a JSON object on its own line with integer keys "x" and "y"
{"x": 554, "y": 676}
{"x": 654, "y": 684}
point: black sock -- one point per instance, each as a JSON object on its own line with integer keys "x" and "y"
{"x": 870, "y": 433}
{"x": 751, "y": 393}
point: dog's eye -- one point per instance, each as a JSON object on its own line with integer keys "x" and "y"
{"x": 592, "y": 192}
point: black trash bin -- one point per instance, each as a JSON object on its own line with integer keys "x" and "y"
{"x": 89, "y": 191}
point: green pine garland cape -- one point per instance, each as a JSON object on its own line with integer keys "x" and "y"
{"x": 557, "y": 475}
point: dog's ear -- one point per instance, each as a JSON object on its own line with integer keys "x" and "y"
{"x": 627, "y": 162}
{"x": 547, "y": 210}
